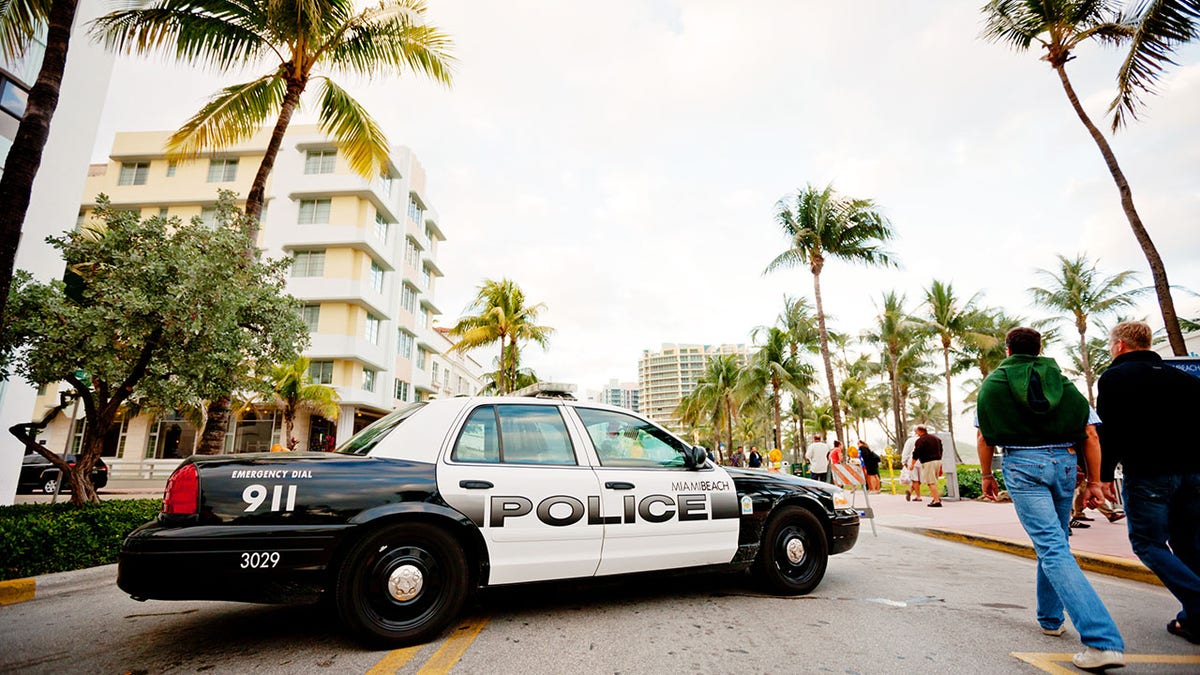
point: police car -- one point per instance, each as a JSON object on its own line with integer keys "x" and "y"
{"x": 437, "y": 499}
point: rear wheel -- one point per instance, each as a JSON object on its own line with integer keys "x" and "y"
{"x": 49, "y": 485}
{"x": 402, "y": 584}
{"x": 794, "y": 552}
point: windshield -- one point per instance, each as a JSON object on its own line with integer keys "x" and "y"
{"x": 362, "y": 442}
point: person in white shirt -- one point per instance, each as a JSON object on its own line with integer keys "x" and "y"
{"x": 906, "y": 462}
{"x": 818, "y": 459}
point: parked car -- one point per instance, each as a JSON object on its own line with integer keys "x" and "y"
{"x": 37, "y": 473}
{"x": 440, "y": 498}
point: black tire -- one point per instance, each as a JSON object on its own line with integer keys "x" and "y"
{"x": 49, "y": 485}
{"x": 794, "y": 552}
{"x": 390, "y": 617}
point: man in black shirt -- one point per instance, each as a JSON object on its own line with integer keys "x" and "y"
{"x": 928, "y": 451}
{"x": 1138, "y": 396}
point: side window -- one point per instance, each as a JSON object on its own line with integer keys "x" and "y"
{"x": 624, "y": 440}
{"x": 478, "y": 440}
{"x": 527, "y": 434}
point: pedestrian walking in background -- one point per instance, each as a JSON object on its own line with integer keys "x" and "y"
{"x": 870, "y": 462}
{"x": 755, "y": 461}
{"x": 928, "y": 451}
{"x": 909, "y": 469}
{"x": 835, "y": 455}
{"x": 1030, "y": 409}
{"x": 1162, "y": 484}
{"x": 818, "y": 459}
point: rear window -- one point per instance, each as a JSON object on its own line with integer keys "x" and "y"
{"x": 362, "y": 442}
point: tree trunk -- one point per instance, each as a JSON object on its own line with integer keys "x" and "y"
{"x": 949, "y": 402}
{"x": 898, "y": 418}
{"x": 1162, "y": 287}
{"x": 25, "y": 155}
{"x": 1084, "y": 358}
{"x": 289, "y": 424}
{"x": 835, "y": 405}
{"x": 258, "y": 189}
{"x": 212, "y": 441}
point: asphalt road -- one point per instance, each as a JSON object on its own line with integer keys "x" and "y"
{"x": 899, "y": 603}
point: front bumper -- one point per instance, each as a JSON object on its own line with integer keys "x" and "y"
{"x": 843, "y": 531}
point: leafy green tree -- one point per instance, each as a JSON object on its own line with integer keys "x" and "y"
{"x": 819, "y": 418}
{"x": 1078, "y": 288}
{"x": 502, "y": 380}
{"x": 894, "y": 332}
{"x": 159, "y": 310}
{"x": 501, "y": 317}
{"x": 803, "y": 337}
{"x": 294, "y": 391}
{"x": 772, "y": 369}
{"x": 716, "y": 393}
{"x": 1059, "y": 26}
{"x": 925, "y": 409}
{"x": 20, "y": 21}
{"x": 1160, "y": 27}
{"x": 820, "y": 224}
{"x": 952, "y": 322}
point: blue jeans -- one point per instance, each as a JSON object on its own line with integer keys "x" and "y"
{"x": 1165, "y": 510}
{"x": 1042, "y": 486}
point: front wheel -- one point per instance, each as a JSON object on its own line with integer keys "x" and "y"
{"x": 402, "y": 584}
{"x": 794, "y": 552}
{"x": 49, "y": 486}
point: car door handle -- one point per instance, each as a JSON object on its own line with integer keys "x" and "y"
{"x": 618, "y": 485}
{"x": 475, "y": 484}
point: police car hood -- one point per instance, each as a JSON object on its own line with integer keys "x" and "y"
{"x": 751, "y": 480}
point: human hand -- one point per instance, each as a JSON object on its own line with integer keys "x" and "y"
{"x": 991, "y": 489}
{"x": 1110, "y": 491}
{"x": 1095, "y": 495}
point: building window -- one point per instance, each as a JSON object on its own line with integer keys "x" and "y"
{"x": 162, "y": 212}
{"x": 381, "y": 227}
{"x": 426, "y": 278}
{"x": 133, "y": 173}
{"x": 314, "y": 211}
{"x": 433, "y": 373}
{"x": 386, "y": 182}
{"x": 401, "y": 390}
{"x": 171, "y": 166}
{"x": 420, "y": 358}
{"x": 13, "y": 98}
{"x": 321, "y": 372}
{"x": 446, "y": 379}
{"x": 375, "y": 275}
{"x": 368, "y": 380}
{"x": 312, "y": 316}
{"x": 309, "y": 264}
{"x": 414, "y": 210}
{"x": 408, "y": 299}
{"x": 424, "y": 318}
{"x": 412, "y": 254}
{"x": 373, "y": 329}
{"x": 222, "y": 170}
{"x": 208, "y": 216}
{"x": 406, "y": 344}
{"x": 319, "y": 161}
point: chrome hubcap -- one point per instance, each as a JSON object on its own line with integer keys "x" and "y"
{"x": 795, "y": 550}
{"x": 405, "y": 582}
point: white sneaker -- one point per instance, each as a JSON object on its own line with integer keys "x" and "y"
{"x": 1054, "y": 632}
{"x": 1098, "y": 659}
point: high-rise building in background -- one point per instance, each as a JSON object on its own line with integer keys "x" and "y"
{"x": 364, "y": 266}
{"x": 667, "y": 375}
{"x": 60, "y": 177}
{"x": 621, "y": 394}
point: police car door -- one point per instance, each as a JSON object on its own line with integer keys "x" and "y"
{"x": 657, "y": 513}
{"x": 514, "y": 470}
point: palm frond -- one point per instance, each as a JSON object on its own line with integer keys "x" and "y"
{"x": 214, "y": 34}
{"x": 1011, "y": 22}
{"x": 19, "y": 23}
{"x": 1160, "y": 27}
{"x": 358, "y": 136}
{"x": 232, "y": 115}
{"x": 391, "y": 36}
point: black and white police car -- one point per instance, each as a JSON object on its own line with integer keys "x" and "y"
{"x": 436, "y": 499}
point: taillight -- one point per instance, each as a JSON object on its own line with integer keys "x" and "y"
{"x": 182, "y": 495}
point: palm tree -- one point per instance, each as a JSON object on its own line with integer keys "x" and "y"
{"x": 951, "y": 321}
{"x": 773, "y": 369}
{"x": 1078, "y": 288}
{"x": 298, "y": 37}
{"x": 1059, "y": 26}
{"x": 803, "y": 335}
{"x": 819, "y": 419}
{"x": 928, "y": 410}
{"x": 501, "y": 317}
{"x": 1161, "y": 25}
{"x": 19, "y": 22}
{"x": 820, "y": 224}
{"x": 295, "y": 391}
{"x": 894, "y": 332}
{"x": 717, "y": 392}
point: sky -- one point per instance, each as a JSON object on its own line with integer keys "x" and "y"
{"x": 621, "y": 161}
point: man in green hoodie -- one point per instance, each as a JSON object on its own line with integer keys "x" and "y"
{"x": 1031, "y": 410}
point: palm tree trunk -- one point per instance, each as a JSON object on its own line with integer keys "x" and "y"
{"x": 258, "y": 189}
{"x": 1085, "y": 361}
{"x": 212, "y": 440}
{"x": 778, "y": 426}
{"x": 1162, "y": 287}
{"x": 895, "y": 386}
{"x": 949, "y": 402}
{"x": 25, "y": 155}
{"x": 833, "y": 397}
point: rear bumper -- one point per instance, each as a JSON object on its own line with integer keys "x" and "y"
{"x": 227, "y": 563}
{"x": 843, "y": 527}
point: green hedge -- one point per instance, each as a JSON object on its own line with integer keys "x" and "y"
{"x": 42, "y": 538}
{"x": 969, "y": 482}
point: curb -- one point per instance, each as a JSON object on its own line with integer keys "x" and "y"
{"x": 15, "y": 591}
{"x": 1091, "y": 562}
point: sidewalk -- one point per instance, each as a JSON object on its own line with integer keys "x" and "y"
{"x": 1103, "y": 547}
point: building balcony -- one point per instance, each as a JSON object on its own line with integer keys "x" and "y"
{"x": 315, "y": 186}
{"x": 355, "y": 397}
{"x": 353, "y": 291}
{"x": 329, "y": 347}
{"x": 308, "y": 237}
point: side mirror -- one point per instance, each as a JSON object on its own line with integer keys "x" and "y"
{"x": 695, "y": 457}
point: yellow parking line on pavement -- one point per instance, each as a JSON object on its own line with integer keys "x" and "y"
{"x": 17, "y": 590}
{"x": 1049, "y": 662}
{"x": 394, "y": 661}
{"x": 454, "y": 647}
